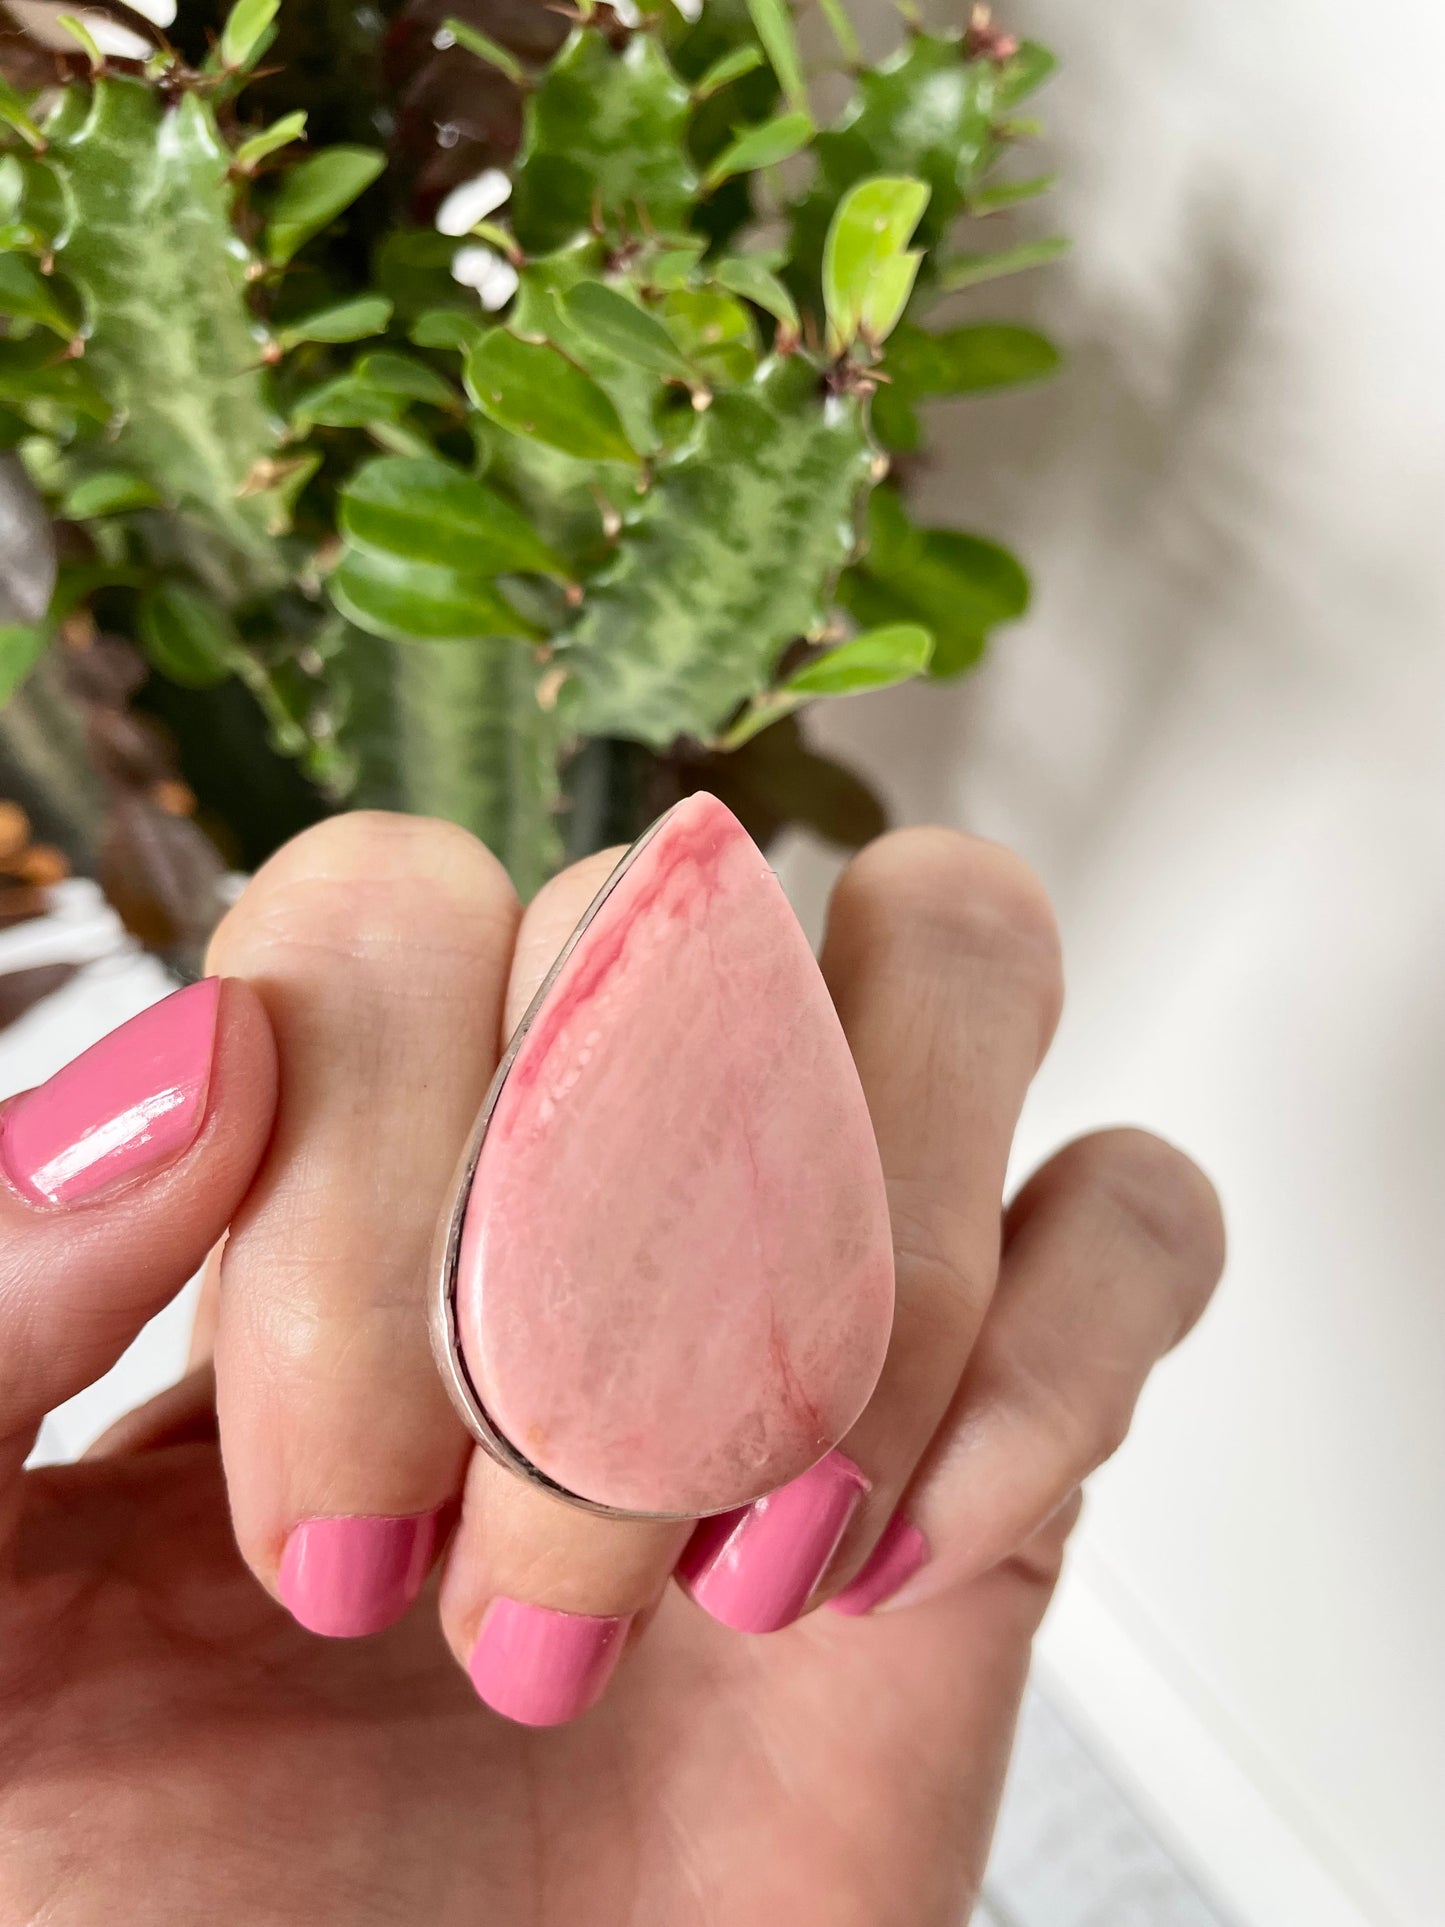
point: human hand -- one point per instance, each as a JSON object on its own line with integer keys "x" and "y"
{"x": 174, "y": 1747}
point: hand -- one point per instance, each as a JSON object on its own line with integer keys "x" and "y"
{"x": 176, "y": 1748}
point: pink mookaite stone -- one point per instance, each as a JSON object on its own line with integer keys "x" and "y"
{"x": 675, "y": 1281}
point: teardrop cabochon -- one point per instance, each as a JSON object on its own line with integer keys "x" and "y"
{"x": 666, "y": 1285}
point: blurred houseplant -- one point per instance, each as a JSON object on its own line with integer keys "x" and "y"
{"x": 480, "y": 408}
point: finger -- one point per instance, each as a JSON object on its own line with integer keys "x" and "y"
{"x": 539, "y": 1598}
{"x": 182, "y": 1414}
{"x": 379, "y": 945}
{"x": 119, "y": 1173}
{"x": 1111, "y": 1253}
{"x": 942, "y": 958}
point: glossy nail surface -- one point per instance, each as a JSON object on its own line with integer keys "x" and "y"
{"x": 895, "y": 1558}
{"x": 756, "y": 1569}
{"x": 129, "y": 1104}
{"x": 541, "y": 1667}
{"x": 347, "y": 1576}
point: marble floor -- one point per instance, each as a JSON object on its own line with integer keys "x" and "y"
{"x": 1071, "y": 1851}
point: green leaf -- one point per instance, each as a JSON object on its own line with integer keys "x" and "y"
{"x": 620, "y": 326}
{"x": 30, "y": 374}
{"x": 1023, "y": 73}
{"x": 844, "y": 32}
{"x": 14, "y": 113}
{"x": 754, "y": 148}
{"x": 970, "y": 270}
{"x": 774, "y": 24}
{"x": 427, "y": 511}
{"x": 408, "y": 380}
{"x": 874, "y": 660}
{"x": 187, "y": 636}
{"x": 745, "y": 275}
{"x": 260, "y": 147}
{"x": 715, "y": 331}
{"x": 313, "y": 193}
{"x": 927, "y": 112}
{"x": 28, "y": 295}
{"x": 401, "y": 600}
{"x": 447, "y": 328}
{"x": 532, "y": 388}
{"x": 345, "y": 402}
{"x": 354, "y": 320}
{"x": 83, "y": 38}
{"x": 1006, "y": 194}
{"x": 21, "y": 647}
{"x": 485, "y": 48}
{"x": 725, "y": 69}
{"x": 728, "y": 558}
{"x": 672, "y": 266}
{"x": 968, "y": 360}
{"x": 12, "y": 189}
{"x": 887, "y": 297}
{"x": 867, "y": 276}
{"x": 247, "y": 32}
{"x": 957, "y": 586}
{"x": 606, "y": 133}
{"x": 112, "y": 491}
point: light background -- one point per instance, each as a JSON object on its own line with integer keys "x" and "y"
{"x": 1221, "y": 739}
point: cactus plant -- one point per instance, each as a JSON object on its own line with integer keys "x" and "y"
{"x": 542, "y": 461}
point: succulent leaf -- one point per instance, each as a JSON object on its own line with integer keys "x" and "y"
{"x": 731, "y": 555}
{"x": 606, "y": 135}
{"x": 151, "y": 251}
{"x": 457, "y": 730}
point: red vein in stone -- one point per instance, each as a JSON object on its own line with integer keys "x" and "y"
{"x": 683, "y": 844}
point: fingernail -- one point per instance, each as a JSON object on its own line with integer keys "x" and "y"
{"x": 895, "y": 1558}
{"x": 348, "y": 1576}
{"x": 756, "y": 1569}
{"x": 130, "y": 1103}
{"x": 541, "y": 1667}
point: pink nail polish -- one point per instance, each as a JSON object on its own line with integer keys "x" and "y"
{"x": 348, "y": 1576}
{"x": 541, "y": 1667}
{"x": 756, "y": 1569}
{"x": 896, "y": 1557}
{"x": 130, "y": 1103}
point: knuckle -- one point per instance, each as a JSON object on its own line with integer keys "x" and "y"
{"x": 365, "y": 882}
{"x": 1166, "y": 1202}
{"x": 945, "y": 1269}
{"x": 957, "y": 897}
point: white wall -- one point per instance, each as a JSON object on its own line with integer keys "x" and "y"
{"x": 1219, "y": 737}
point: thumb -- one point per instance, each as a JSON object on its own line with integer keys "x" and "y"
{"x": 116, "y": 1177}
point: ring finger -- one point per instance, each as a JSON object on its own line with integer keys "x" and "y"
{"x": 942, "y": 958}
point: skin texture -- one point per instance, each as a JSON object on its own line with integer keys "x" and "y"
{"x": 173, "y": 1745}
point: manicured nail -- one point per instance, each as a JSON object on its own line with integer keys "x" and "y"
{"x": 541, "y": 1667}
{"x": 756, "y": 1569}
{"x": 349, "y": 1576}
{"x": 895, "y": 1558}
{"x": 130, "y": 1103}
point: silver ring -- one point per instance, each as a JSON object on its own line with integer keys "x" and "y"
{"x": 445, "y": 1337}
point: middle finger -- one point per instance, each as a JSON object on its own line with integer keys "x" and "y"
{"x": 942, "y": 957}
